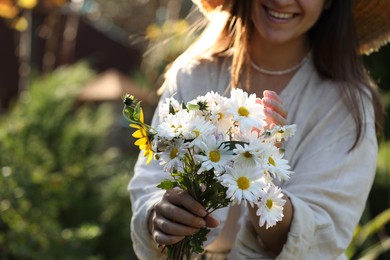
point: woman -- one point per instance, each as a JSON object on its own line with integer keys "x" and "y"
{"x": 303, "y": 53}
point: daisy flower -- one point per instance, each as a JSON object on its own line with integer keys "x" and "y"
{"x": 276, "y": 165}
{"x": 199, "y": 104}
{"x": 214, "y": 98}
{"x": 197, "y": 129}
{"x": 248, "y": 154}
{"x": 270, "y": 207}
{"x": 242, "y": 184}
{"x": 246, "y": 111}
{"x": 173, "y": 155}
{"x": 279, "y": 133}
{"x": 173, "y": 125}
{"x": 214, "y": 154}
{"x": 170, "y": 105}
{"x": 220, "y": 116}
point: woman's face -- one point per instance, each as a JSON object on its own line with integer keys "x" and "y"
{"x": 282, "y": 21}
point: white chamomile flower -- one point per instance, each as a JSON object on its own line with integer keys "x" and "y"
{"x": 242, "y": 184}
{"x": 248, "y": 154}
{"x": 276, "y": 165}
{"x": 197, "y": 128}
{"x": 221, "y": 118}
{"x": 174, "y": 153}
{"x": 246, "y": 111}
{"x": 214, "y": 154}
{"x": 280, "y": 133}
{"x": 173, "y": 125}
{"x": 267, "y": 178}
{"x": 270, "y": 207}
{"x": 165, "y": 107}
{"x": 199, "y": 106}
{"x": 214, "y": 98}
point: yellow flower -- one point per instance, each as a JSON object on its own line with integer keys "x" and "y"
{"x": 143, "y": 141}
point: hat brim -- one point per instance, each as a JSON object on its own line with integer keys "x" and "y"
{"x": 372, "y": 20}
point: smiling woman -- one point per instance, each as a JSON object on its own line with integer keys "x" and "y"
{"x": 302, "y": 56}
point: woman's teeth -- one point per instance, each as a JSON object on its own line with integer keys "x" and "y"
{"x": 278, "y": 15}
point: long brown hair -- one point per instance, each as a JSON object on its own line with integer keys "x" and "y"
{"x": 335, "y": 54}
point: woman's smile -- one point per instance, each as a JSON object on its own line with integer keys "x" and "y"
{"x": 280, "y": 22}
{"x": 278, "y": 16}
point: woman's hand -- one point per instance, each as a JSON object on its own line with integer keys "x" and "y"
{"x": 177, "y": 215}
{"x": 274, "y": 110}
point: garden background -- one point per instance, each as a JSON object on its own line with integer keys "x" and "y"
{"x": 66, "y": 153}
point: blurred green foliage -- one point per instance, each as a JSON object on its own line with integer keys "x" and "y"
{"x": 63, "y": 192}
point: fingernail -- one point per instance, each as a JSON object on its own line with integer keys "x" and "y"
{"x": 266, "y": 100}
{"x": 202, "y": 223}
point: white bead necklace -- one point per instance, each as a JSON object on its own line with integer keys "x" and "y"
{"x": 279, "y": 72}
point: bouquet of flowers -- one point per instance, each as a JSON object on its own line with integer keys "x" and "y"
{"x": 221, "y": 151}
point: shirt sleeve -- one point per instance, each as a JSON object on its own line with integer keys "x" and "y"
{"x": 328, "y": 190}
{"x": 144, "y": 195}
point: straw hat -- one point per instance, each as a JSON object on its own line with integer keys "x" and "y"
{"x": 372, "y": 18}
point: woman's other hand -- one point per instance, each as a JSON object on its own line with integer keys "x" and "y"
{"x": 274, "y": 110}
{"x": 177, "y": 215}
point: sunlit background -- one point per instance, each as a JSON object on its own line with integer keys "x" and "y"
{"x": 66, "y": 153}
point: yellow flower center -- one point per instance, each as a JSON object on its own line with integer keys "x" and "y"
{"x": 243, "y": 183}
{"x": 220, "y": 116}
{"x": 243, "y": 111}
{"x": 215, "y": 156}
{"x": 197, "y": 132}
{"x": 269, "y": 203}
{"x": 271, "y": 161}
{"x": 248, "y": 155}
{"x": 173, "y": 153}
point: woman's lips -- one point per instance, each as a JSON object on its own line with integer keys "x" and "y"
{"x": 279, "y": 16}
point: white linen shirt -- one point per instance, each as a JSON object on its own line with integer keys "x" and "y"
{"x": 328, "y": 190}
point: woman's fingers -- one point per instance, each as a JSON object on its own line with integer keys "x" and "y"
{"x": 273, "y": 108}
{"x": 273, "y": 95}
{"x": 164, "y": 239}
{"x": 172, "y": 228}
{"x": 178, "y": 215}
{"x": 183, "y": 199}
{"x": 274, "y": 118}
{"x": 211, "y": 221}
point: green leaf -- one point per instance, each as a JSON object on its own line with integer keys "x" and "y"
{"x": 137, "y": 112}
{"x": 197, "y": 240}
{"x": 193, "y": 107}
{"x": 167, "y": 184}
{"x": 171, "y": 109}
{"x": 232, "y": 144}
